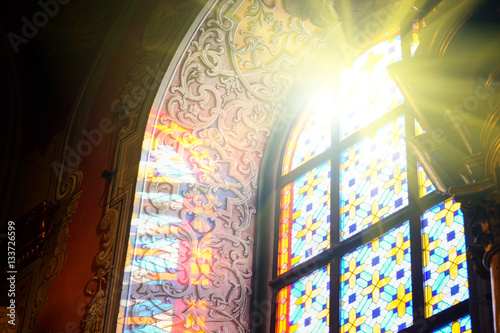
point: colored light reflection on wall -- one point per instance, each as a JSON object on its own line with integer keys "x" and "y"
{"x": 166, "y": 252}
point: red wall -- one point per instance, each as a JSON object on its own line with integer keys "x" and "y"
{"x": 66, "y": 300}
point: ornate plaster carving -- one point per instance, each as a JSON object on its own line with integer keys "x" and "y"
{"x": 66, "y": 198}
{"x": 33, "y": 229}
{"x": 224, "y": 99}
{"x": 480, "y": 207}
{"x": 490, "y": 133}
{"x": 96, "y": 287}
{"x": 135, "y": 101}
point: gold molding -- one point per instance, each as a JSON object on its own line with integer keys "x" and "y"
{"x": 67, "y": 197}
{"x": 450, "y": 18}
{"x": 93, "y": 319}
{"x": 33, "y": 229}
{"x": 490, "y": 133}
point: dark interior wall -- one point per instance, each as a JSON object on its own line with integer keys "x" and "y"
{"x": 65, "y": 65}
{"x": 66, "y": 298}
{"x": 53, "y": 47}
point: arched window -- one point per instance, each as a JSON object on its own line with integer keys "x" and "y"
{"x": 365, "y": 243}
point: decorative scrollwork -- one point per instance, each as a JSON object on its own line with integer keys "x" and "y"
{"x": 67, "y": 196}
{"x": 95, "y": 288}
{"x": 476, "y": 222}
{"x": 199, "y": 193}
{"x": 480, "y": 204}
{"x": 67, "y": 189}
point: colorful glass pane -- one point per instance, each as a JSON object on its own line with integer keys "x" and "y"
{"x": 366, "y": 90}
{"x": 305, "y": 218}
{"x": 304, "y": 305}
{"x": 444, "y": 257}
{"x": 310, "y": 136}
{"x": 418, "y": 129}
{"x": 375, "y": 285}
{"x": 417, "y": 27}
{"x": 463, "y": 325}
{"x": 373, "y": 179}
{"x": 425, "y": 185}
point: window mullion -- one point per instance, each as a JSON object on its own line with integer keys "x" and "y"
{"x": 335, "y": 295}
{"x": 335, "y": 213}
{"x": 415, "y": 230}
{"x": 406, "y": 37}
{"x": 304, "y": 168}
{"x": 277, "y": 226}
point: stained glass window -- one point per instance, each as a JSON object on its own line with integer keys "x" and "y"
{"x": 373, "y": 179}
{"x": 309, "y": 137}
{"x": 425, "y": 185}
{"x": 417, "y": 26}
{"x": 365, "y": 243}
{"x": 366, "y": 90}
{"x": 418, "y": 128}
{"x": 303, "y": 305}
{"x": 375, "y": 284}
{"x": 305, "y": 217}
